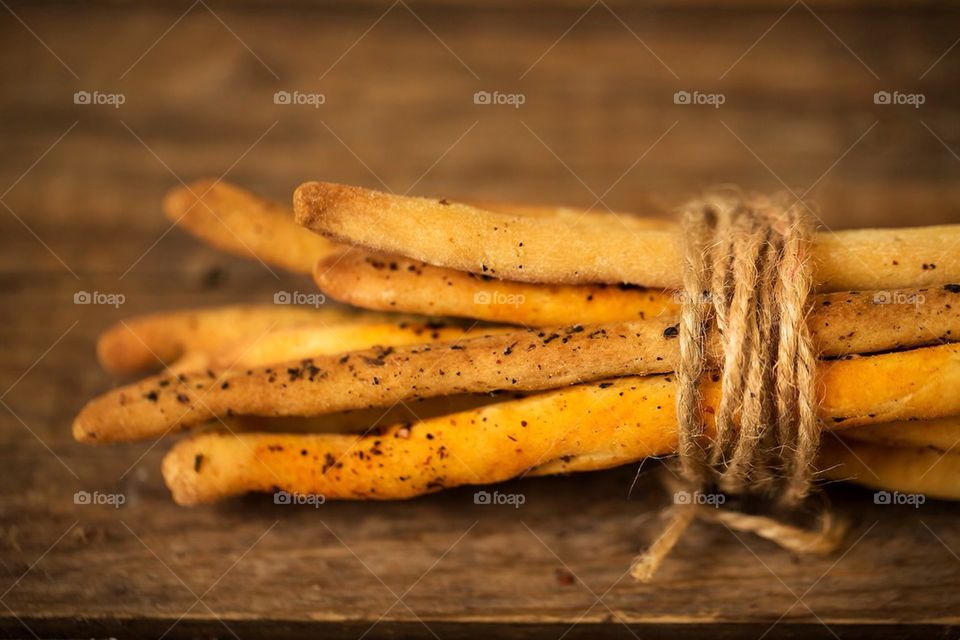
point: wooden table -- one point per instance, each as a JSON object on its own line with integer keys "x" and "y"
{"x": 82, "y": 183}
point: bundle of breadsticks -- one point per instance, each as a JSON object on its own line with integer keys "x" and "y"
{"x": 472, "y": 343}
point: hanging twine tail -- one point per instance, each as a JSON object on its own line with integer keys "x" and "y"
{"x": 746, "y": 275}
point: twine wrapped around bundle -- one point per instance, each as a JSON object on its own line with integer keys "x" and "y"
{"x": 747, "y": 271}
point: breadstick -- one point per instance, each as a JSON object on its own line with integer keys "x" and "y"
{"x": 517, "y": 361}
{"x": 597, "y": 247}
{"x": 921, "y": 473}
{"x": 611, "y": 423}
{"x": 364, "y": 419}
{"x": 383, "y": 283}
{"x": 299, "y": 342}
{"x": 237, "y": 221}
{"x": 942, "y": 435}
{"x": 521, "y": 360}
{"x": 145, "y": 342}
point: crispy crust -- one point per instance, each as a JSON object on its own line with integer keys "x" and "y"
{"x": 237, "y": 221}
{"x": 597, "y": 247}
{"x": 384, "y": 283}
{"x": 609, "y": 423}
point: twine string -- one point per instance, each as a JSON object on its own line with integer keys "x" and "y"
{"x": 746, "y": 275}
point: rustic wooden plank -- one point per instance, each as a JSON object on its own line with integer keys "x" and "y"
{"x": 797, "y": 113}
{"x": 300, "y": 571}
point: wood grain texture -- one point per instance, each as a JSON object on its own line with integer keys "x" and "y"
{"x": 199, "y": 101}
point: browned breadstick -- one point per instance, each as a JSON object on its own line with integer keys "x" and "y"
{"x": 384, "y": 283}
{"x": 941, "y": 435}
{"x": 923, "y": 473}
{"x": 606, "y": 424}
{"x": 296, "y": 343}
{"x": 522, "y": 360}
{"x": 364, "y": 419}
{"x": 597, "y": 247}
{"x": 237, "y": 221}
{"x": 146, "y": 342}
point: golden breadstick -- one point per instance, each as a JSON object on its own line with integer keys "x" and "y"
{"x": 597, "y": 247}
{"x": 917, "y": 474}
{"x": 384, "y": 283}
{"x": 240, "y": 222}
{"x": 296, "y": 343}
{"x": 845, "y": 323}
{"x": 611, "y": 423}
{"x": 364, "y": 419}
{"x": 235, "y": 220}
{"x": 148, "y": 341}
{"x": 520, "y": 360}
{"x": 517, "y": 361}
{"x": 941, "y": 435}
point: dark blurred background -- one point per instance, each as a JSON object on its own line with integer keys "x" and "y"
{"x": 106, "y": 105}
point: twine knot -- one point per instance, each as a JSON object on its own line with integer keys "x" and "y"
{"x": 746, "y": 275}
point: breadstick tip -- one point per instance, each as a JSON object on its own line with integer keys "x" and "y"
{"x": 84, "y": 429}
{"x": 173, "y": 468}
{"x": 315, "y": 201}
{"x": 179, "y": 200}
